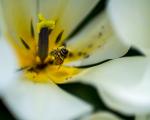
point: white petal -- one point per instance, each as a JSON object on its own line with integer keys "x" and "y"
{"x": 142, "y": 117}
{"x": 123, "y": 84}
{"x": 131, "y": 21}
{"x": 102, "y": 115}
{"x": 33, "y": 101}
{"x": 8, "y": 65}
{"x": 17, "y": 16}
{"x": 51, "y": 9}
{"x": 100, "y": 36}
{"x": 75, "y": 12}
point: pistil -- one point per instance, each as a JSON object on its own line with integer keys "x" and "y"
{"x": 43, "y": 43}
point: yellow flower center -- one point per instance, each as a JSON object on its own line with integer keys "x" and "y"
{"x": 43, "y": 51}
{"x": 43, "y": 60}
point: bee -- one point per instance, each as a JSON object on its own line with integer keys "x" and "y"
{"x": 59, "y": 55}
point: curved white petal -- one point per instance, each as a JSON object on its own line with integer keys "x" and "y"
{"x": 99, "y": 37}
{"x": 102, "y": 115}
{"x": 74, "y": 13}
{"x": 123, "y": 84}
{"x": 8, "y": 64}
{"x": 131, "y": 21}
{"x": 33, "y": 101}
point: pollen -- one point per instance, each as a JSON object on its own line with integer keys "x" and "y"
{"x": 53, "y": 73}
{"x": 45, "y": 23}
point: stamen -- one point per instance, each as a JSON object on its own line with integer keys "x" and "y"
{"x": 44, "y": 28}
{"x": 59, "y": 37}
{"x": 32, "y": 29}
{"x": 24, "y": 43}
{"x": 43, "y": 43}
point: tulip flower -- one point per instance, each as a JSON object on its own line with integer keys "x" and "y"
{"x": 50, "y": 42}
